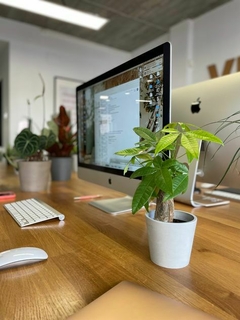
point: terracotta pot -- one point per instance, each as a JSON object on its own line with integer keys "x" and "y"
{"x": 34, "y": 175}
{"x": 170, "y": 244}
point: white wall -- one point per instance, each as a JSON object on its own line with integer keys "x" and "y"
{"x": 150, "y": 45}
{"x": 209, "y": 39}
{"x": 216, "y": 39}
{"x": 32, "y": 51}
{"x": 4, "y": 78}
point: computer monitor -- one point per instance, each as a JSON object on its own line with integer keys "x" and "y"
{"x": 136, "y": 93}
{"x": 206, "y": 102}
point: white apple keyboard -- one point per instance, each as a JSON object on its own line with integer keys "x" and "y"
{"x": 21, "y": 256}
{"x": 31, "y": 211}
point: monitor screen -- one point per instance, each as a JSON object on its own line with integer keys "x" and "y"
{"x": 206, "y": 102}
{"x": 136, "y": 93}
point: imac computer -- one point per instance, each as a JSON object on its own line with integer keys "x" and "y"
{"x": 136, "y": 93}
{"x": 206, "y": 102}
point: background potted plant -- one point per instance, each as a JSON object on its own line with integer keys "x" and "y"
{"x": 163, "y": 177}
{"x": 11, "y": 155}
{"x": 228, "y": 128}
{"x": 34, "y": 165}
{"x": 29, "y": 150}
{"x": 61, "y": 151}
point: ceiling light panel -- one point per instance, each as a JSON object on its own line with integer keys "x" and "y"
{"x": 58, "y": 12}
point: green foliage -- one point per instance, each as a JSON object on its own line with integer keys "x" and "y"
{"x": 232, "y": 124}
{"x": 65, "y": 139}
{"x": 26, "y": 143}
{"x": 30, "y": 146}
{"x": 157, "y": 154}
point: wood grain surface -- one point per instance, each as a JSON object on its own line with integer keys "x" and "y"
{"x": 91, "y": 251}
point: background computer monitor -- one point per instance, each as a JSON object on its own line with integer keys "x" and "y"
{"x": 206, "y": 102}
{"x": 136, "y": 93}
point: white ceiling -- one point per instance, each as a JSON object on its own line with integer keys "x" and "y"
{"x": 133, "y": 23}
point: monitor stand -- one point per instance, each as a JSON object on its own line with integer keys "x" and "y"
{"x": 114, "y": 206}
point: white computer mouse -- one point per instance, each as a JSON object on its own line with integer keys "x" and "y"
{"x": 21, "y": 256}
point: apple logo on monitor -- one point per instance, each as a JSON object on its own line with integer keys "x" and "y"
{"x": 195, "y": 106}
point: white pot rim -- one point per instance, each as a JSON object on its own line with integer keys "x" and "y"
{"x": 185, "y": 213}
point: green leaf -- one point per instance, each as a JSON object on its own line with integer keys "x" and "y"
{"x": 52, "y": 125}
{"x": 143, "y": 193}
{"x": 163, "y": 180}
{"x": 42, "y": 142}
{"x": 170, "y": 163}
{"x": 47, "y": 139}
{"x": 191, "y": 145}
{"x": 169, "y": 130}
{"x": 126, "y": 167}
{"x": 145, "y": 133}
{"x": 181, "y": 167}
{"x": 205, "y": 135}
{"x": 26, "y": 143}
{"x": 144, "y": 171}
{"x": 129, "y": 152}
{"x": 158, "y": 162}
{"x": 144, "y": 156}
{"x": 166, "y": 141}
{"x": 180, "y": 184}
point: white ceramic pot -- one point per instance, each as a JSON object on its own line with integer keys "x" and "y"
{"x": 170, "y": 244}
{"x": 34, "y": 176}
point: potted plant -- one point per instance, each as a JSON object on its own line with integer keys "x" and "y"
{"x": 61, "y": 151}
{"x": 30, "y": 158}
{"x": 228, "y": 128}
{"x": 163, "y": 177}
{"x": 34, "y": 165}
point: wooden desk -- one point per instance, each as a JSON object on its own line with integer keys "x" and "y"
{"x": 92, "y": 251}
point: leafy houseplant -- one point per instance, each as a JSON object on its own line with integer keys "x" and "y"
{"x": 30, "y": 149}
{"x": 33, "y": 165}
{"x": 66, "y": 140}
{"x": 163, "y": 175}
{"x": 30, "y": 146}
{"x": 61, "y": 151}
{"x": 228, "y": 128}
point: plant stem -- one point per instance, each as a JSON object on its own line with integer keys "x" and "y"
{"x": 164, "y": 209}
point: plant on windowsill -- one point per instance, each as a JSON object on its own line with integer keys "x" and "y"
{"x": 163, "y": 177}
{"x": 29, "y": 148}
{"x": 61, "y": 151}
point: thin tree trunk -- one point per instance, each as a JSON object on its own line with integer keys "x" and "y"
{"x": 164, "y": 210}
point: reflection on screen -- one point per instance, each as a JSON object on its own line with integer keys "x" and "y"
{"x": 109, "y": 110}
